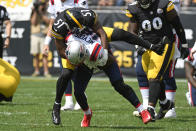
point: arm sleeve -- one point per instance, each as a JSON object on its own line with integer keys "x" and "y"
{"x": 121, "y": 35}
{"x": 177, "y": 25}
{"x": 51, "y": 10}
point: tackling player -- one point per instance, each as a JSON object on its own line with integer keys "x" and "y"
{"x": 55, "y": 7}
{"x": 83, "y": 21}
{"x": 153, "y": 19}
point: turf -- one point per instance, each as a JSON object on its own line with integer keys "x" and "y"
{"x": 32, "y": 103}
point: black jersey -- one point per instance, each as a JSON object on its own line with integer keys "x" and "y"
{"x": 152, "y": 22}
{"x": 3, "y": 17}
{"x": 73, "y": 18}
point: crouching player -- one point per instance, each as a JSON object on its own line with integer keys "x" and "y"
{"x": 84, "y": 23}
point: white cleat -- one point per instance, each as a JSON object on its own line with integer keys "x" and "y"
{"x": 67, "y": 107}
{"x": 136, "y": 113}
{"x": 171, "y": 113}
{"x": 77, "y": 106}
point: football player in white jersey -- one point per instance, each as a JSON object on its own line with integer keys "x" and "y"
{"x": 55, "y": 7}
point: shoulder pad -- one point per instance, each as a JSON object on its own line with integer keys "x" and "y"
{"x": 166, "y": 4}
{"x": 131, "y": 10}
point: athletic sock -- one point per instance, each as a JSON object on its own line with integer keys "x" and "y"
{"x": 87, "y": 112}
{"x": 140, "y": 108}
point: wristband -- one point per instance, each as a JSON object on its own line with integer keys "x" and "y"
{"x": 8, "y": 37}
{"x": 185, "y": 45}
{"x": 47, "y": 41}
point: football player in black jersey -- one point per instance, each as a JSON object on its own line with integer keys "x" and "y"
{"x": 4, "y": 19}
{"x": 153, "y": 20}
{"x": 80, "y": 20}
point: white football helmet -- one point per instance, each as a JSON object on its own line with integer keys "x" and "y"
{"x": 76, "y": 52}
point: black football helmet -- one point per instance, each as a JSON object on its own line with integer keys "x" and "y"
{"x": 74, "y": 18}
{"x": 145, "y": 3}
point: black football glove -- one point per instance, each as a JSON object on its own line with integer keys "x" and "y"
{"x": 184, "y": 51}
{"x": 158, "y": 48}
{"x": 140, "y": 50}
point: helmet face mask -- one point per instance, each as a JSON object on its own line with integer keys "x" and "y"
{"x": 145, "y": 3}
{"x": 76, "y": 52}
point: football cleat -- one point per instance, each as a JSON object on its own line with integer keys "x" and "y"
{"x": 171, "y": 113}
{"x": 86, "y": 120}
{"x": 67, "y": 107}
{"x": 164, "y": 109}
{"x": 146, "y": 116}
{"x": 136, "y": 114}
{"x": 152, "y": 113}
{"x": 56, "y": 119}
{"x": 77, "y": 106}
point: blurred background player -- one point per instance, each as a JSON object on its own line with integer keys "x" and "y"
{"x": 190, "y": 71}
{"x": 4, "y": 20}
{"x": 39, "y": 24}
{"x": 152, "y": 27}
{"x": 169, "y": 80}
{"x": 56, "y": 7}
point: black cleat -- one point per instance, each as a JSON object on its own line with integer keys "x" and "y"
{"x": 56, "y": 119}
{"x": 164, "y": 109}
{"x": 152, "y": 113}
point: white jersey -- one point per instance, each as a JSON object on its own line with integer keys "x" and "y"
{"x": 96, "y": 55}
{"x": 57, "y": 6}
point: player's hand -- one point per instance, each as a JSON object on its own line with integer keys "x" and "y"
{"x": 6, "y": 43}
{"x": 140, "y": 50}
{"x": 184, "y": 52}
{"x": 46, "y": 50}
{"x": 158, "y": 48}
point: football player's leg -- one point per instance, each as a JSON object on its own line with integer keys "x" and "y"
{"x": 155, "y": 72}
{"x": 61, "y": 85}
{"x": 142, "y": 82}
{"x": 170, "y": 88}
{"x": 191, "y": 95}
{"x": 69, "y": 105}
{"x": 81, "y": 79}
{"x": 115, "y": 76}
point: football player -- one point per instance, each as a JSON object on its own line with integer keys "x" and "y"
{"x": 169, "y": 80}
{"x": 55, "y": 7}
{"x": 82, "y": 21}
{"x": 152, "y": 20}
{"x": 190, "y": 67}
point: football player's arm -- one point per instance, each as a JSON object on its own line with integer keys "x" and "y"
{"x": 48, "y": 38}
{"x": 174, "y": 20}
{"x": 98, "y": 29}
{"x": 8, "y": 27}
{"x": 189, "y": 70}
{"x": 60, "y": 47}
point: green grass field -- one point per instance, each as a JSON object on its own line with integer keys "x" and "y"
{"x": 33, "y": 101}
